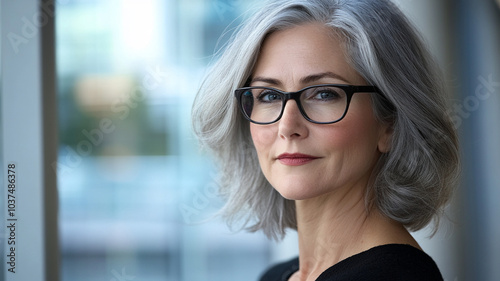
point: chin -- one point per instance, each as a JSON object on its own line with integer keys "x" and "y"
{"x": 297, "y": 192}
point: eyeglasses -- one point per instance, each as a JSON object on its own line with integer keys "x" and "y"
{"x": 320, "y": 104}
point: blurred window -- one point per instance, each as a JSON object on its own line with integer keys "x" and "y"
{"x": 134, "y": 188}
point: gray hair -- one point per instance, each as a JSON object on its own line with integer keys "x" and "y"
{"x": 412, "y": 182}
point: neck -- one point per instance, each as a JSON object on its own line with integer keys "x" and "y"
{"x": 337, "y": 225}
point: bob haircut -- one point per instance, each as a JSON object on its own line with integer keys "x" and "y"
{"x": 411, "y": 183}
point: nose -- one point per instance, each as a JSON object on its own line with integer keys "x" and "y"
{"x": 292, "y": 124}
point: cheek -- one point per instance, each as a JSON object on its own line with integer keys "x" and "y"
{"x": 346, "y": 147}
{"x": 262, "y": 137}
{"x": 360, "y": 123}
{"x": 353, "y": 133}
{"x": 356, "y": 137}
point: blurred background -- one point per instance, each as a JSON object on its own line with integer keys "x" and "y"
{"x": 137, "y": 197}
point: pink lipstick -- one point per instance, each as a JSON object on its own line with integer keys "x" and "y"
{"x": 295, "y": 159}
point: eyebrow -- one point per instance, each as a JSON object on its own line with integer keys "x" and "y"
{"x": 305, "y": 80}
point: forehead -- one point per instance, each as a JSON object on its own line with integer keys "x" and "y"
{"x": 293, "y": 53}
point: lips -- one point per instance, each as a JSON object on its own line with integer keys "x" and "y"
{"x": 295, "y": 159}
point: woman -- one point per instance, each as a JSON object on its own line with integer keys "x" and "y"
{"x": 328, "y": 117}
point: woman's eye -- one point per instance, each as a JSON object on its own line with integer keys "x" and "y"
{"x": 269, "y": 96}
{"x": 326, "y": 95}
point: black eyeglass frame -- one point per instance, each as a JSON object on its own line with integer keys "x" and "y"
{"x": 350, "y": 90}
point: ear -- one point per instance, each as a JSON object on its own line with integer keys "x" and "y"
{"x": 385, "y": 138}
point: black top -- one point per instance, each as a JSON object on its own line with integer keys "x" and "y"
{"x": 387, "y": 262}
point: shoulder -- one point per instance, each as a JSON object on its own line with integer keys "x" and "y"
{"x": 387, "y": 262}
{"x": 281, "y": 271}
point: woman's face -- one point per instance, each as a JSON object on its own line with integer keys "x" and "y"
{"x": 301, "y": 159}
